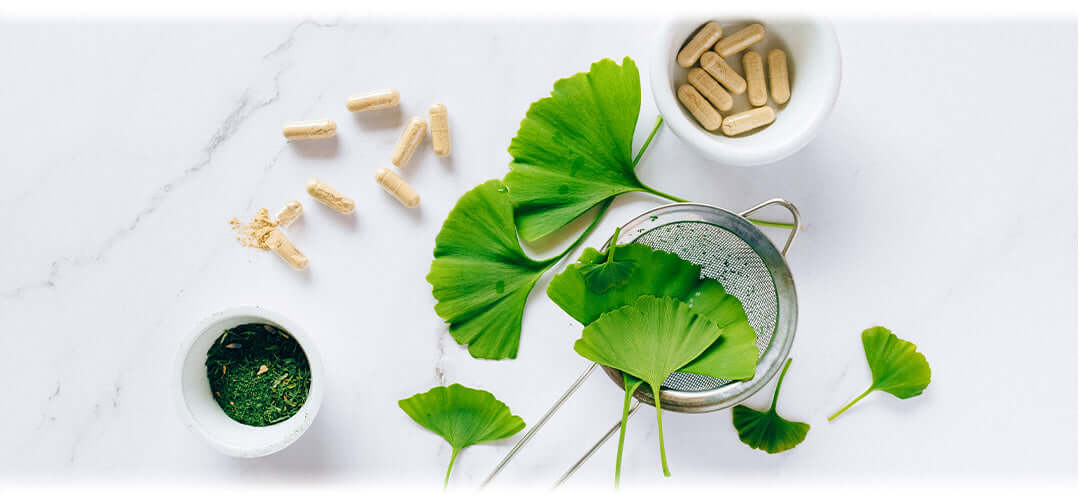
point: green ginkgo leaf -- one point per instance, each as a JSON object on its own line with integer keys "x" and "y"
{"x": 896, "y": 366}
{"x": 649, "y": 340}
{"x": 481, "y": 277}
{"x": 767, "y": 430}
{"x": 573, "y": 150}
{"x": 610, "y": 273}
{"x": 462, "y": 416}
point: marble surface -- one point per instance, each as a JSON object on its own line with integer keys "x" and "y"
{"x": 939, "y": 200}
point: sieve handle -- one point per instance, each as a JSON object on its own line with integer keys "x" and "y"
{"x": 794, "y": 216}
{"x": 588, "y": 454}
{"x": 540, "y": 423}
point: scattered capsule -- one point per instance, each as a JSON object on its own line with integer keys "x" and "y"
{"x": 330, "y": 197}
{"x": 705, "y": 38}
{"x": 410, "y": 138}
{"x": 748, "y": 120}
{"x": 397, "y": 187}
{"x": 314, "y": 129}
{"x": 723, "y": 73}
{"x": 379, "y": 99}
{"x": 704, "y": 113}
{"x": 440, "y": 129}
{"x": 740, "y": 40}
{"x": 755, "y": 78}
{"x": 778, "y": 76}
{"x": 710, "y": 89}
{"x": 289, "y": 213}
{"x": 286, "y": 250}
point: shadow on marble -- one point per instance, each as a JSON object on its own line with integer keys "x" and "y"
{"x": 322, "y": 148}
{"x": 379, "y": 119}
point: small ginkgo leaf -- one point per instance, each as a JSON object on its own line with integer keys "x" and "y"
{"x": 610, "y": 273}
{"x": 481, "y": 277}
{"x": 649, "y": 340}
{"x": 462, "y": 416}
{"x": 896, "y": 366}
{"x": 573, "y": 150}
{"x": 767, "y": 430}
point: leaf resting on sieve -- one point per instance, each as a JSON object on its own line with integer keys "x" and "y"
{"x": 462, "y": 416}
{"x": 610, "y": 273}
{"x": 649, "y": 340}
{"x": 896, "y": 366}
{"x": 767, "y": 430}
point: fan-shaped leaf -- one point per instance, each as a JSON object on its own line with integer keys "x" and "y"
{"x": 896, "y": 366}
{"x": 767, "y": 430}
{"x": 462, "y": 416}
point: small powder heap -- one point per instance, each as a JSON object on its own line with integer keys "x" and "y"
{"x": 255, "y": 233}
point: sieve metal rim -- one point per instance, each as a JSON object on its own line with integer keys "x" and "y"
{"x": 776, "y": 353}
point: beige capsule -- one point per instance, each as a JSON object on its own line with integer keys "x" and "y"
{"x": 712, "y": 91}
{"x": 371, "y": 101}
{"x": 716, "y": 66}
{"x": 755, "y": 78}
{"x": 410, "y": 138}
{"x": 397, "y": 187}
{"x": 284, "y": 248}
{"x": 289, "y": 213}
{"x": 778, "y": 76}
{"x": 739, "y": 40}
{"x": 747, "y": 120}
{"x": 705, "y": 38}
{"x": 703, "y": 112}
{"x": 440, "y": 129}
{"x": 330, "y": 197}
{"x": 314, "y": 129}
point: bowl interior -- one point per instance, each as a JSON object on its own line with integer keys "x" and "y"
{"x": 206, "y": 417}
{"x": 813, "y": 72}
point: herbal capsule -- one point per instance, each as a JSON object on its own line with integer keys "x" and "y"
{"x": 440, "y": 129}
{"x": 379, "y": 99}
{"x": 410, "y": 138}
{"x": 705, "y": 38}
{"x": 286, "y": 250}
{"x": 778, "y": 76}
{"x": 397, "y": 187}
{"x": 330, "y": 197}
{"x": 740, "y": 40}
{"x": 748, "y": 120}
{"x": 755, "y": 78}
{"x": 699, "y": 107}
{"x": 710, "y": 89}
{"x": 289, "y": 213}
{"x": 723, "y": 73}
{"x": 314, "y": 129}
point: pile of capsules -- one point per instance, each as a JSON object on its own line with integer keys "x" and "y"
{"x": 714, "y": 81}
{"x": 391, "y": 182}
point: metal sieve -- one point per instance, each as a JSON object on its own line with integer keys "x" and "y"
{"x": 732, "y": 250}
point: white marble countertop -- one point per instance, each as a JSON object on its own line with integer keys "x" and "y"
{"x": 939, "y": 200}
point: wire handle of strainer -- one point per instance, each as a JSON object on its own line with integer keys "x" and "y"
{"x": 795, "y": 223}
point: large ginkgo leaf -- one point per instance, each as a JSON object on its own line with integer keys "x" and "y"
{"x": 481, "y": 277}
{"x": 462, "y": 416}
{"x": 573, "y": 150}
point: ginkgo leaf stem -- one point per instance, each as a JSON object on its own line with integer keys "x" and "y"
{"x": 629, "y": 393}
{"x": 779, "y": 382}
{"x": 453, "y": 456}
{"x": 852, "y": 403}
{"x": 648, "y": 140}
{"x": 588, "y": 230}
{"x": 660, "y": 430}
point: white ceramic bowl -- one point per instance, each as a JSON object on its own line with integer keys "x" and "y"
{"x": 814, "y": 71}
{"x": 203, "y": 415}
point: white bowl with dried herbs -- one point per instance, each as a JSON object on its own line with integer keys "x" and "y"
{"x": 250, "y": 381}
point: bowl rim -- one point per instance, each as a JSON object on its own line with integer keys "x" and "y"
{"x": 704, "y": 141}
{"x": 315, "y": 393}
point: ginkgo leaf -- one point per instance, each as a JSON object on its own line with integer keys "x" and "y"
{"x": 767, "y": 430}
{"x": 610, "y": 273}
{"x": 481, "y": 277}
{"x": 573, "y": 150}
{"x": 462, "y": 416}
{"x": 896, "y": 366}
{"x": 649, "y": 340}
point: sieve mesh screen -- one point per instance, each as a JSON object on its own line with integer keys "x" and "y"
{"x": 728, "y": 259}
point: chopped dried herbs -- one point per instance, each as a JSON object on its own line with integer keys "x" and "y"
{"x": 258, "y": 373}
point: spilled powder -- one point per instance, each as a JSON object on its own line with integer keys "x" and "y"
{"x": 255, "y": 233}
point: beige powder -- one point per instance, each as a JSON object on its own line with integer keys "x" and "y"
{"x": 255, "y": 233}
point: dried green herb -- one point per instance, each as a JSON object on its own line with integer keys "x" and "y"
{"x": 258, "y": 373}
